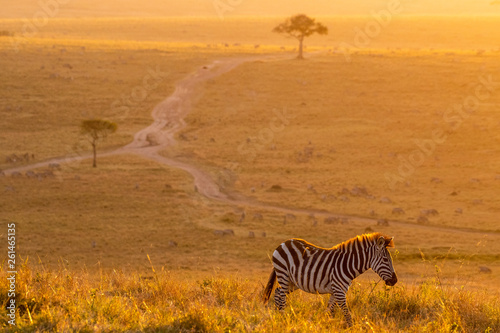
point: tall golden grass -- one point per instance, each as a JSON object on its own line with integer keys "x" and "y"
{"x": 67, "y": 301}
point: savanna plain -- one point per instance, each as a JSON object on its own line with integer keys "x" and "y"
{"x": 400, "y": 136}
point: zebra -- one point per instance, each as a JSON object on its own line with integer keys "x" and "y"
{"x": 301, "y": 265}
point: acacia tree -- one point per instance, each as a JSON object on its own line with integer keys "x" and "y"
{"x": 96, "y": 130}
{"x": 299, "y": 27}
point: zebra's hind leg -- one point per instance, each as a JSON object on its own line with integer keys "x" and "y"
{"x": 280, "y": 298}
{"x": 285, "y": 287}
{"x": 340, "y": 299}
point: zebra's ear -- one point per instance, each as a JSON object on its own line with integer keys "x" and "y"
{"x": 381, "y": 242}
{"x": 389, "y": 242}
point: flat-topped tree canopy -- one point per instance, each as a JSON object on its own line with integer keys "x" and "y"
{"x": 300, "y": 26}
{"x": 95, "y": 130}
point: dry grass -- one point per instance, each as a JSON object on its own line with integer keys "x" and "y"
{"x": 51, "y": 85}
{"x": 349, "y": 125}
{"x": 158, "y": 301}
{"x": 129, "y": 207}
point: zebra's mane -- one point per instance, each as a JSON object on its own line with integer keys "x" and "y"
{"x": 370, "y": 238}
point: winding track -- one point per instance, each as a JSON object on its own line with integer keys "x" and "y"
{"x": 168, "y": 119}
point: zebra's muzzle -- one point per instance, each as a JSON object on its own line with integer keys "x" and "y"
{"x": 392, "y": 281}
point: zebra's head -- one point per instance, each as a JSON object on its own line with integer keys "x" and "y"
{"x": 382, "y": 260}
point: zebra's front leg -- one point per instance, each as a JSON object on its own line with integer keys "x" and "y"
{"x": 339, "y": 298}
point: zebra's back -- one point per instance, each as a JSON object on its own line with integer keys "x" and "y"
{"x": 307, "y": 266}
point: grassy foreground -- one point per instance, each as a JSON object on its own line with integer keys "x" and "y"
{"x": 68, "y": 301}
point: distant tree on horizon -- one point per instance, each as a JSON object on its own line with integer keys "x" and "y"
{"x": 96, "y": 130}
{"x": 299, "y": 27}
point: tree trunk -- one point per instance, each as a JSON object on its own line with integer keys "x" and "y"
{"x": 95, "y": 155}
{"x": 301, "y": 48}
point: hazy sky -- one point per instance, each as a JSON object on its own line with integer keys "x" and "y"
{"x": 80, "y": 8}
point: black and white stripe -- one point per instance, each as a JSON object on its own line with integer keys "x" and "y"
{"x": 302, "y": 265}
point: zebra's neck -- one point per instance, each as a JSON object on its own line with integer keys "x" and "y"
{"x": 356, "y": 257}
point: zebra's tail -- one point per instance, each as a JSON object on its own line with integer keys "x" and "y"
{"x": 269, "y": 287}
